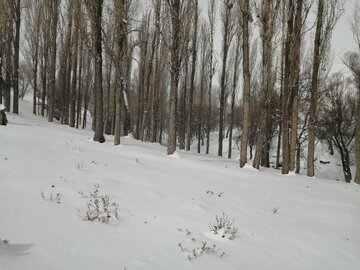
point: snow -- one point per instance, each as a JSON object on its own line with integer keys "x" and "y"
{"x": 283, "y": 222}
{"x": 2, "y": 107}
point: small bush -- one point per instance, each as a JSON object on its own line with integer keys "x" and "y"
{"x": 79, "y": 165}
{"x": 100, "y": 207}
{"x": 224, "y": 226}
{"x": 4, "y": 241}
{"x": 186, "y": 231}
{"x": 53, "y": 197}
{"x": 204, "y": 248}
{"x": 211, "y": 193}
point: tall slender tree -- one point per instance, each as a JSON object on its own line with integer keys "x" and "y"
{"x": 228, "y": 34}
{"x": 192, "y": 78}
{"x": 268, "y": 16}
{"x": 95, "y": 8}
{"x": 328, "y": 14}
{"x": 54, "y": 15}
{"x": 175, "y": 11}
{"x": 211, "y": 18}
{"x": 246, "y": 18}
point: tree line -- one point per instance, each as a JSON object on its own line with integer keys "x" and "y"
{"x": 150, "y": 68}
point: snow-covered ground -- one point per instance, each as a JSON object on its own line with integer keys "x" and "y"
{"x": 165, "y": 207}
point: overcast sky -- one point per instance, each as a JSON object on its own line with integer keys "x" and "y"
{"x": 342, "y": 39}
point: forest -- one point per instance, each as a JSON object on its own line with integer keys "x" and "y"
{"x": 151, "y": 68}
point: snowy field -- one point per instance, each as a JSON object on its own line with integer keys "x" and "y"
{"x": 165, "y": 207}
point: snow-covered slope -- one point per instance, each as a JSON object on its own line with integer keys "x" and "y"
{"x": 284, "y": 222}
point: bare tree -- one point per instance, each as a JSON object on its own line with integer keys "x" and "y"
{"x": 353, "y": 62}
{"x": 336, "y": 122}
{"x": 192, "y": 78}
{"x": 5, "y": 53}
{"x": 228, "y": 34}
{"x": 327, "y": 15}
{"x": 211, "y": 18}
{"x": 54, "y": 15}
{"x": 246, "y": 18}
{"x": 121, "y": 8}
{"x": 32, "y": 37}
{"x": 175, "y": 11}
{"x": 268, "y": 21}
{"x": 95, "y": 8}
{"x": 15, "y": 13}
{"x": 236, "y": 62}
{"x": 204, "y": 60}
{"x": 157, "y": 77}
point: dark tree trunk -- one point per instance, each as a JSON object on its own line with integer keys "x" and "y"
{"x": 246, "y": 90}
{"x": 314, "y": 90}
{"x": 175, "y": 70}
{"x": 54, "y": 24}
{"x": 16, "y": 57}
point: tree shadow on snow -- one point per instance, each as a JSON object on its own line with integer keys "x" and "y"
{"x": 14, "y": 249}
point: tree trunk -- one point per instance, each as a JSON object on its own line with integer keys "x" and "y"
{"x": 226, "y": 44}
{"x": 175, "y": 70}
{"x": 296, "y": 58}
{"x": 157, "y": 76}
{"x": 268, "y": 24}
{"x": 183, "y": 116}
{"x": 80, "y": 88}
{"x": 99, "y": 128}
{"x": 357, "y": 142}
{"x": 283, "y": 23}
{"x": 202, "y": 83}
{"x": 16, "y": 56}
{"x": 314, "y": 90}
{"x": 121, "y": 63}
{"x": 234, "y": 86}
{"x": 286, "y": 91}
{"x": 117, "y": 110}
{"x": 192, "y": 78}
{"x": 35, "y": 69}
{"x": 44, "y": 75}
{"x": 54, "y": 24}
{"x": 246, "y": 77}
{"x": 74, "y": 64}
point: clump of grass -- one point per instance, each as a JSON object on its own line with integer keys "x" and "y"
{"x": 100, "y": 207}
{"x": 224, "y": 226}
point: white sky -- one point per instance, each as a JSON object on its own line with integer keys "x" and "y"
{"x": 342, "y": 39}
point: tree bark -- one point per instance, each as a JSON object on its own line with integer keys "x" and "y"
{"x": 225, "y": 48}
{"x": 314, "y": 90}
{"x": 54, "y": 23}
{"x": 75, "y": 66}
{"x": 99, "y": 128}
{"x": 121, "y": 62}
{"x": 246, "y": 78}
{"x": 192, "y": 78}
{"x": 211, "y": 15}
{"x": 357, "y": 142}
{"x": 234, "y": 86}
{"x": 202, "y": 83}
{"x": 16, "y": 56}
{"x": 175, "y": 70}
{"x": 286, "y": 90}
{"x": 296, "y": 55}
{"x": 268, "y": 17}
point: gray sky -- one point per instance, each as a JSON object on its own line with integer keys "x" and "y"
{"x": 342, "y": 39}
